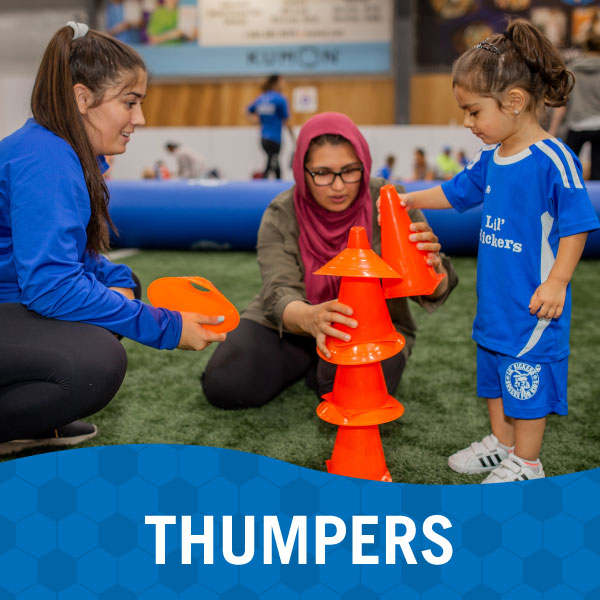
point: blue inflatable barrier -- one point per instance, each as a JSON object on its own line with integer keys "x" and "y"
{"x": 194, "y": 214}
{"x": 213, "y": 214}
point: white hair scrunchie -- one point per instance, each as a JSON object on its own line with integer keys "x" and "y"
{"x": 79, "y": 29}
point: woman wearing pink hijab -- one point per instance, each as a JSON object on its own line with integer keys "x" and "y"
{"x": 275, "y": 343}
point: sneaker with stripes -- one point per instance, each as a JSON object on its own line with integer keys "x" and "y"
{"x": 514, "y": 468}
{"x": 479, "y": 457}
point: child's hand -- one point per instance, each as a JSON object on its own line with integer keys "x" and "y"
{"x": 548, "y": 300}
{"x": 404, "y": 201}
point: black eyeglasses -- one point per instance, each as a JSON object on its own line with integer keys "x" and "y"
{"x": 348, "y": 175}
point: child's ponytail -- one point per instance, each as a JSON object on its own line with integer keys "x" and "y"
{"x": 542, "y": 58}
{"x": 520, "y": 57}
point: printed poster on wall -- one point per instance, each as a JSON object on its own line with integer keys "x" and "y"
{"x": 241, "y": 37}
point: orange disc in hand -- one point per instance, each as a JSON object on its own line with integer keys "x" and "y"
{"x": 194, "y": 294}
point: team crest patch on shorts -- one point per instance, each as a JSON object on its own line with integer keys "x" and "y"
{"x": 522, "y": 380}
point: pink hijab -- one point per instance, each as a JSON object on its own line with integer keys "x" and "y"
{"x": 324, "y": 234}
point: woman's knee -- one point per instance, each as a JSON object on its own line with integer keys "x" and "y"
{"x": 224, "y": 389}
{"x": 101, "y": 372}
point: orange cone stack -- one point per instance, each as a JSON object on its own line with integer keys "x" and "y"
{"x": 359, "y": 401}
{"x": 419, "y": 278}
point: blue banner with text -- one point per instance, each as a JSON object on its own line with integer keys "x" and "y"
{"x": 180, "y": 522}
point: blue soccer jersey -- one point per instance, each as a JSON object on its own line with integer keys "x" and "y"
{"x": 530, "y": 200}
{"x": 272, "y": 110}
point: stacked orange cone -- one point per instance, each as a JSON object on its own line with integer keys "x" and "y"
{"x": 359, "y": 401}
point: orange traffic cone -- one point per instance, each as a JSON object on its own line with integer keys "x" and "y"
{"x": 419, "y": 278}
{"x": 359, "y": 397}
{"x": 375, "y": 338}
{"x": 358, "y": 452}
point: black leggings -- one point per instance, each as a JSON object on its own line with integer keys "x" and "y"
{"x": 255, "y": 364}
{"x": 272, "y": 149}
{"x": 576, "y": 139}
{"x": 53, "y": 372}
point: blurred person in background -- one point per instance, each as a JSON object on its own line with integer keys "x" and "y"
{"x": 421, "y": 170}
{"x": 190, "y": 164}
{"x": 271, "y": 111}
{"x": 582, "y": 114}
{"x": 388, "y": 168}
{"x": 446, "y": 165}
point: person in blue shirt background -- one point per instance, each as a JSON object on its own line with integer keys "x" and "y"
{"x": 63, "y": 304}
{"x": 387, "y": 170}
{"x": 270, "y": 109}
{"x": 536, "y": 217}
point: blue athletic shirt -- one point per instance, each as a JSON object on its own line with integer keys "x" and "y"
{"x": 272, "y": 109}
{"x": 530, "y": 200}
{"x": 44, "y": 212}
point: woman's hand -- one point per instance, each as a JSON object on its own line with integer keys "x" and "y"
{"x": 427, "y": 241}
{"x": 318, "y": 320}
{"x": 549, "y": 299}
{"x": 196, "y": 337}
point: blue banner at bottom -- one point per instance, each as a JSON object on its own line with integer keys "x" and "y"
{"x": 181, "y": 522}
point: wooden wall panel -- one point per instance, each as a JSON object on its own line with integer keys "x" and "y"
{"x": 432, "y": 101}
{"x": 367, "y": 101}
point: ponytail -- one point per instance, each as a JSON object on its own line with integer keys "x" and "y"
{"x": 270, "y": 82}
{"x": 543, "y": 60}
{"x": 520, "y": 57}
{"x": 97, "y": 61}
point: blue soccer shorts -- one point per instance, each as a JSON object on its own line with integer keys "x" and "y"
{"x": 529, "y": 390}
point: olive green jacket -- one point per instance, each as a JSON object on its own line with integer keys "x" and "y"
{"x": 282, "y": 268}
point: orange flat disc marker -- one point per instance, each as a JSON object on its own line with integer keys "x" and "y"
{"x": 194, "y": 294}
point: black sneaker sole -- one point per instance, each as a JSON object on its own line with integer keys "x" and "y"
{"x": 15, "y": 446}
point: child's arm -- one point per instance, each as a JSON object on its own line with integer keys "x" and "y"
{"x": 430, "y": 198}
{"x": 548, "y": 300}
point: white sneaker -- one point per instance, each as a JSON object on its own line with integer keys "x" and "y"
{"x": 514, "y": 468}
{"x": 479, "y": 457}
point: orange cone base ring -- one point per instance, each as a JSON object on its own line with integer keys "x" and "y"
{"x": 347, "y": 353}
{"x": 357, "y": 452}
{"x": 332, "y": 413}
{"x": 385, "y": 477}
{"x": 394, "y": 289}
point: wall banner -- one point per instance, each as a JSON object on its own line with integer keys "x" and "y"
{"x": 186, "y": 38}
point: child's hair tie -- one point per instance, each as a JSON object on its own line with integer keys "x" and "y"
{"x": 79, "y": 29}
{"x": 485, "y": 45}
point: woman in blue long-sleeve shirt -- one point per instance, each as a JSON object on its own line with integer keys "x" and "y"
{"x": 62, "y": 303}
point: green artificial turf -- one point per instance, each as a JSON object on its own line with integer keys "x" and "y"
{"x": 161, "y": 400}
